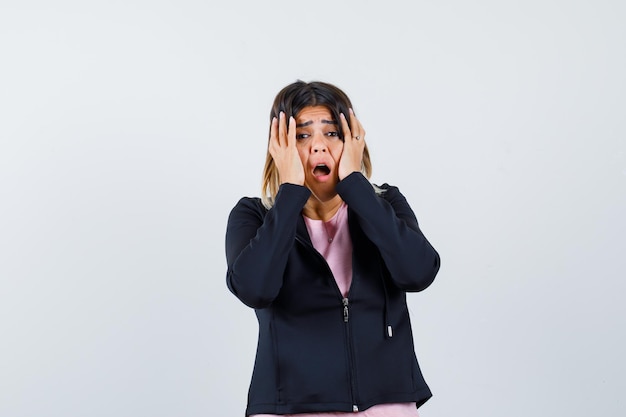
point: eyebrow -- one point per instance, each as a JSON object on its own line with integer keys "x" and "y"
{"x": 310, "y": 122}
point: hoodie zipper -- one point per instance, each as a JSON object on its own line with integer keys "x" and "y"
{"x": 345, "y": 304}
{"x": 346, "y": 319}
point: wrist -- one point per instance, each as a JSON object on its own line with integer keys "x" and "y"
{"x": 294, "y": 181}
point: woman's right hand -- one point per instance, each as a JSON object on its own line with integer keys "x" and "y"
{"x": 283, "y": 149}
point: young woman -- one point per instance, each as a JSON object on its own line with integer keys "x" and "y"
{"x": 326, "y": 259}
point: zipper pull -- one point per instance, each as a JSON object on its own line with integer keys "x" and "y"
{"x": 345, "y": 309}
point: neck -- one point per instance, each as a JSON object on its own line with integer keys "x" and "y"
{"x": 322, "y": 210}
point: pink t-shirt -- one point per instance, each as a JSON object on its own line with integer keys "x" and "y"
{"x": 332, "y": 240}
{"x": 380, "y": 410}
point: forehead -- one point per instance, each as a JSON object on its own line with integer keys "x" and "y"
{"x": 314, "y": 114}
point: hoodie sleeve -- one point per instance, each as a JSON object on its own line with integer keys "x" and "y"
{"x": 389, "y": 222}
{"x": 257, "y": 244}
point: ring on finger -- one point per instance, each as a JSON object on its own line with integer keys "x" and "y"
{"x": 357, "y": 137}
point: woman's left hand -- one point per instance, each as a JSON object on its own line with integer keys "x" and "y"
{"x": 353, "y": 146}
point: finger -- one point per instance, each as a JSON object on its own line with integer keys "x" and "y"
{"x": 273, "y": 129}
{"x": 282, "y": 130}
{"x": 273, "y": 142}
{"x": 291, "y": 133}
{"x": 357, "y": 129}
{"x": 344, "y": 126}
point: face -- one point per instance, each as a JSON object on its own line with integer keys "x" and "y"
{"x": 319, "y": 147}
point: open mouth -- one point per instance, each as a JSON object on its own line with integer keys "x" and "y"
{"x": 320, "y": 170}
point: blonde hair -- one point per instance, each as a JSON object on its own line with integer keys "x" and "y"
{"x": 291, "y": 100}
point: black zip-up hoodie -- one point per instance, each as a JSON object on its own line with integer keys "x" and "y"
{"x": 318, "y": 351}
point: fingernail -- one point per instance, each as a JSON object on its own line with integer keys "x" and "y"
{"x": 351, "y": 111}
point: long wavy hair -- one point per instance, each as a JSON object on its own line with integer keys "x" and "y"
{"x": 291, "y": 100}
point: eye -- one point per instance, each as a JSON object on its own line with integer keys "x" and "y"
{"x": 300, "y": 136}
{"x": 332, "y": 134}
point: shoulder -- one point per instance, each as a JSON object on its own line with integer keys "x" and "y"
{"x": 391, "y": 194}
{"x": 385, "y": 190}
{"x": 249, "y": 206}
{"x": 249, "y": 201}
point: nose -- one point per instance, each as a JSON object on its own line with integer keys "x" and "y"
{"x": 318, "y": 144}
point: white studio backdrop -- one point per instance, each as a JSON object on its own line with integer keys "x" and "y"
{"x": 129, "y": 129}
